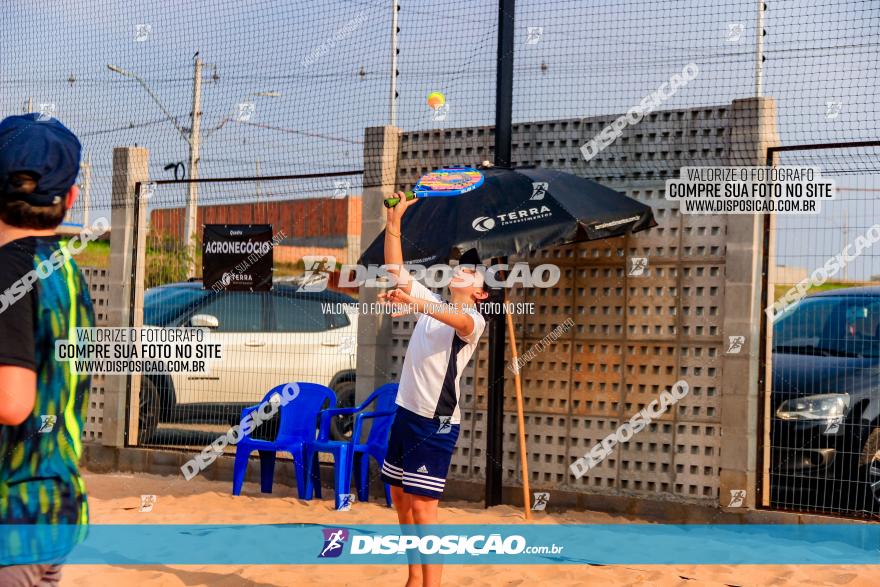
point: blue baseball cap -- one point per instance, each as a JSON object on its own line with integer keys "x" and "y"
{"x": 45, "y": 148}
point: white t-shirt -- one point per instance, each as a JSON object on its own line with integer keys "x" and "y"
{"x": 435, "y": 358}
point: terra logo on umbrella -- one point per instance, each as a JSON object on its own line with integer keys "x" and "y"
{"x": 483, "y": 223}
{"x": 500, "y": 212}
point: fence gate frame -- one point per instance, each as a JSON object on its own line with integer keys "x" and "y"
{"x": 138, "y": 274}
{"x": 765, "y": 366}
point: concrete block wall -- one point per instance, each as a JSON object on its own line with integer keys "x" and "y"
{"x": 99, "y": 289}
{"x": 113, "y": 397}
{"x": 634, "y": 335}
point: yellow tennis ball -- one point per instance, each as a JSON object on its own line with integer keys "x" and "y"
{"x": 436, "y": 100}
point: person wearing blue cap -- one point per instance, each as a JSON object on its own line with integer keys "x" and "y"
{"x": 43, "y": 298}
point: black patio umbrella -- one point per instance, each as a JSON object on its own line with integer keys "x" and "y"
{"x": 514, "y": 212}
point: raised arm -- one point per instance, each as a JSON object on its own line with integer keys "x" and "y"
{"x": 393, "y": 246}
{"x": 449, "y": 314}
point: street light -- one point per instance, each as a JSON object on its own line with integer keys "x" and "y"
{"x": 193, "y": 139}
{"x": 153, "y": 95}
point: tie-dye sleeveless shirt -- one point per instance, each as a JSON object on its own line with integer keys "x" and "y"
{"x": 43, "y": 298}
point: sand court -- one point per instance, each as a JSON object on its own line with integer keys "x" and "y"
{"x": 116, "y": 499}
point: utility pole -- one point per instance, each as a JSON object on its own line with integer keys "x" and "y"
{"x": 86, "y": 170}
{"x": 193, "y": 137}
{"x": 190, "y": 226}
{"x": 392, "y": 96}
{"x": 259, "y": 191}
{"x": 845, "y": 242}
{"x": 30, "y": 105}
{"x": 759, "y": 51}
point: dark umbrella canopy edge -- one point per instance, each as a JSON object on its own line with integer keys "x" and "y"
{"x": 515, "y": 212}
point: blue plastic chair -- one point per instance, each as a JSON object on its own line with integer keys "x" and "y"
{"x": 296, "y": 427}
{"x": 354, "y": 455}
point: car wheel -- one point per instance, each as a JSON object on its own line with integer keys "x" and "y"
{"x": 150, "y": 408}
{"x": 869, "y": 472}
{"x": 341, "y": 426}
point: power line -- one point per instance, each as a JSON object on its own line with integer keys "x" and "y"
{"x": 130, "y": 126}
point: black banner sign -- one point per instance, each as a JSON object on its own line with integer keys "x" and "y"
{"x": 237, "y": 257}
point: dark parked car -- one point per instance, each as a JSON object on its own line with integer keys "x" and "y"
{"x": 825, "y": 428}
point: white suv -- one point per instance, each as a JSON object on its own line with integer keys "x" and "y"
{"x": 267, "y": 338}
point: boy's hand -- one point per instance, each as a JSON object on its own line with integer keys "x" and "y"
{"x": 395, "y": 215}
{"x": 398, "y": 297}
{"x": 393, "y": 241}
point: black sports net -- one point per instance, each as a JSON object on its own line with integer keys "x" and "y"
{"x": 822, "y": 430}
{"x": 287, "y": 89}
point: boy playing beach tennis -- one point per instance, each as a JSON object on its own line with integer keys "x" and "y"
{"x": 426, "y": 424}
{"x": 43, "y": 298}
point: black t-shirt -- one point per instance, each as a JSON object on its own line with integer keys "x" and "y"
{"x": 43, "y": 299}
{"x": 17, "y": 303}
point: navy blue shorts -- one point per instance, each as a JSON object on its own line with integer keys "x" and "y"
{"x": 419, "y": 453}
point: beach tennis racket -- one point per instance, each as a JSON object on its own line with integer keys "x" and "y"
{"x": 446, "y": 182}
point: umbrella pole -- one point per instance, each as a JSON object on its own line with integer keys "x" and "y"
{"x": 523, "y": 455}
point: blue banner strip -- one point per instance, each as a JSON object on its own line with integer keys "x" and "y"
{"x": 601, "y": 544}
